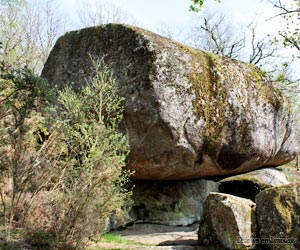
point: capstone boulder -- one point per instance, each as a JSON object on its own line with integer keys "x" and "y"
{"x": 188, "y": 113}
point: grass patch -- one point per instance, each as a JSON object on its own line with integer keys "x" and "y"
{"x": 117, "y": 240}
{"x": 114, "y": 238}
{"x": 110, "y": 248}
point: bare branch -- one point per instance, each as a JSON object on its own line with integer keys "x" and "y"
{"x": 100, "y": 12}
{"x": 284, "y": 10}
{"x": 214, "y": 34}
{"x": 260, "y": 48}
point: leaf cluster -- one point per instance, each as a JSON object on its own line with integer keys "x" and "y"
{"x": 198, "y": 5}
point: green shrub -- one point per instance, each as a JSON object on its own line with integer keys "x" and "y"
{"x": 63, "y": 190}
{"x": 89, "y": 154}
{"x": 22, "y": 96}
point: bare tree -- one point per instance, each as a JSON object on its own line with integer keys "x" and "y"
{"x": 99, "y": 12}
{"x": 261, "y": 48}
{"x": 176, "y": 33}
{"x": 291, "y": 8}
{"x": 214, "y": 33}
{"x": 290, "y": 12}
{"x": 29, "y": 31}
{"x": 9, "y": 31}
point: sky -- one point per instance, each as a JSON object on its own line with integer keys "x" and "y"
{"x": 174, "y": 15}
{"x": 151, "y": 14}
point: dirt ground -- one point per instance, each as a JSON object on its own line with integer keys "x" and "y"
{"x": 156, "y": 237}
{"x": 161, "y": 235}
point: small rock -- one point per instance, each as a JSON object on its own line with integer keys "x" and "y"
{"x": 228, "y": 221}
{"x": 278, "y": 217}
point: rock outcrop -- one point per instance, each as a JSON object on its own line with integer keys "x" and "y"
{"x": 249, "y": 185}
{"x": 228, "y": 221}
{"x": 174, "y": 203}
{"x": 278, "y": 217}
{"x": 188, "y": 113}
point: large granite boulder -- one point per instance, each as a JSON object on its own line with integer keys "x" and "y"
{"x": 188, "y": 113}
{"x": 228, "y": 221}
{"x": 248, "y": 185}
{"x": 278, "y": 217}
{"x": 174, "y": 203}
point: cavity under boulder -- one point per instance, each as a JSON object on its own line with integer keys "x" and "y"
{"x": 173, "y": 203}
{"x": 249, "y": 185}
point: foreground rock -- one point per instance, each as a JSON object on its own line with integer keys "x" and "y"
{"x": 188, "y": 113}
{"x": 228, "y": 221}
{"x": 278, "y": 217}
{"x": 249, "y": 185}
{"x": 174, "y": 203}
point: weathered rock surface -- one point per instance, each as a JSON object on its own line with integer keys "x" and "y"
{"x": 188, "y": 113}
{"x": 174, "y": 203}
{"x": 228, "y": 221}
{"x": 278, "y": 216}
{"x": 249, "y": 185}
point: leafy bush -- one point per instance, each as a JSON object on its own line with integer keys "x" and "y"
{"x": 92, "y": 155}
{"x": 21, "y": 97}
{"x": 69, "y": 186}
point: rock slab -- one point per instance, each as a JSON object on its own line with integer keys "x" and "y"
{"x": 188, "y": 113}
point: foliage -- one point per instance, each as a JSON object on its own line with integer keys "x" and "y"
{"x": 290, "y": 14}
{"x": 21, "y": 96}
{"x": 71, "y": 186}
{"x": 92, "y": 153}
{"x": 198, "y": 4}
